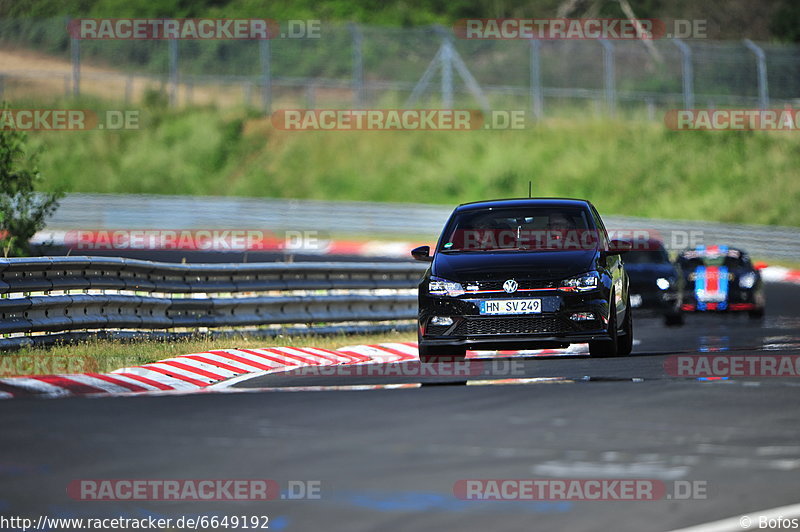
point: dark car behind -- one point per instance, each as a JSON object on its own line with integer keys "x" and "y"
{"x": 656, "y": 283}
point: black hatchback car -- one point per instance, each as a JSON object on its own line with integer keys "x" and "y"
{"x": 657, "y": 285}
{"x": 524, "y": 274}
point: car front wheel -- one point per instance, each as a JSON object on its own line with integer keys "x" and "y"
{"x": 617, "y": 345}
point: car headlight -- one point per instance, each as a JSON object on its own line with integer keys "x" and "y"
{"x": 582, "y": 283}
{"x": 443, "y": 287}
{"x": 747, "y": 280}
{"x": 663, "y": 283}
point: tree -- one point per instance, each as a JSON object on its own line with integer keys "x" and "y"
{"x": 23, "y": 210}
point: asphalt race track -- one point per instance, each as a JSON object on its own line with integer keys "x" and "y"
{"x": 388, "y": 459}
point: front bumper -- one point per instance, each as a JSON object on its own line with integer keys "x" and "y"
{"x": 737, "y": 300}
{"x": 550, "y": 328}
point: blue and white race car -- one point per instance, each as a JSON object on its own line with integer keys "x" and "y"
{"x": 721, "y": 278}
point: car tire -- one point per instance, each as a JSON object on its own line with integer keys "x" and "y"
{"x": 757, "y": 314}
{"x": 443, "y": 353}
{"x": 673, "y": 319}
{"x": 607, "y": 348}
{"x": 625, "y": 343}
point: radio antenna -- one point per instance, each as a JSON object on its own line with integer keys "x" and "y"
{"x": 530, "y": 188}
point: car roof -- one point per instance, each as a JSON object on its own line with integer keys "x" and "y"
{"x": 523, "y": 202}
{"x": 711, "y": 250}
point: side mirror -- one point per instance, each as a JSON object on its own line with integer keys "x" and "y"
{"x": 422, "y": 253}
{"x": 618, "y": 247}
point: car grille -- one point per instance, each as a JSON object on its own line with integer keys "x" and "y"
{"x": 523, "y": 284}
{"x": 512, "y": 325}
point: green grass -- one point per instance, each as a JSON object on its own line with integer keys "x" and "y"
{"x": 625, "y": 167}
{"x": 105, "y": 355}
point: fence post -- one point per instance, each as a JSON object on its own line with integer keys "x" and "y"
{"x": 446, "y": 62}
{"x": 537, "y": 98}
{"x": 128, "y": 88}
{"x": 687, "y": 73}
{"x": 358, "y": 66}
{"x": 173, "y": 72}
{"x": 266, "y": 75}
{"x": 608, "y": 70}
{"x": 75, "y": 53}
{"x": 761, "y": 62}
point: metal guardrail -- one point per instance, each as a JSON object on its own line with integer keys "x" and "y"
{"x": 108, "y": 211}
{"x": 37, "y": 295}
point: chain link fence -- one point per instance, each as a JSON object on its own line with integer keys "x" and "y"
{"x": 359, "y": 66}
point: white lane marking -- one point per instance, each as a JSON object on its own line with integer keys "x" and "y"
{"x": 747, "y": 521}
{"x": 777, "y": 450}
{"x": 608, "y": 470}
{"x": 530, "y": 380}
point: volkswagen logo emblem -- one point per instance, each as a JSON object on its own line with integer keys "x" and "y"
{"x": 510, "y": 286}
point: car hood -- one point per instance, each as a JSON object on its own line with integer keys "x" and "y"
{"x": 545, "y": 265}
{"x": 648, "y": 272}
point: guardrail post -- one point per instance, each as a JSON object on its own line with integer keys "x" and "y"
{"x": 537, "y": 98}
{"x": 447, "y": 72}
{"x": 761, "y": 64}
{"x": 75, "y": 53}
{"x": 609, "y": 75}
{"x": 687, "y": 72}
{"x": 358, "y": 67}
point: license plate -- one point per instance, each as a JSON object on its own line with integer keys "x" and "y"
{"x": 711, "y": 297}
{"x": 636, "y": 300}
{"x": 511, "y": 306}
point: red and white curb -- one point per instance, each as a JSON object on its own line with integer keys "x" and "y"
{"x": 223, "y": 368}
{"x": 779, "y": 274}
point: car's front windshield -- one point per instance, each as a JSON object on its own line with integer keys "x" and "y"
{"x": 528, "y": 228}
{"x": 730, "y": 259}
